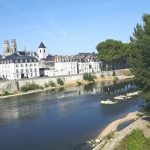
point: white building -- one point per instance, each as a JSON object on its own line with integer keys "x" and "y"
{"x": 17, "y": 66}
{"x": 94, "y": 66}
{"x": 67, "y": 68}
{"x": 71, "y": 68}
{"x": 88, "y": 67}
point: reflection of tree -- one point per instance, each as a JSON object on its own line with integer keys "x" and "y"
{"x": 120, "y": 87}
{"x": 89, "y": 87}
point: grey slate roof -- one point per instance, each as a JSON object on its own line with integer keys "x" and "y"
{"x": 42, "y": 45}
{"x": 16, "y": 58}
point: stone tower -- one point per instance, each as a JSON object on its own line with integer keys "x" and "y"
{"x": 13, "y": 46}
{"x": 42, "y": 51}
{"x": 6, "y": 47}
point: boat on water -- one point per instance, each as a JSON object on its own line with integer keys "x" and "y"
{"x": 108, "y": 101}
{"x": 133, "y": 93}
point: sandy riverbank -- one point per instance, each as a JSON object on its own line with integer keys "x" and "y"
{"x": 112, "y": 128}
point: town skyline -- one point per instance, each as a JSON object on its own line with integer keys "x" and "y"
{"x": 68, "y": 27}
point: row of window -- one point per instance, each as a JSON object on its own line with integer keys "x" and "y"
{"x": 26, "y": 70}
{"x": 17, "y": 61}
{"x": 26, "y": 65}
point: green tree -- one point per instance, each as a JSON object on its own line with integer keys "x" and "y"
{"x": 140, "y": 54}
{"x": 112, "y": 49}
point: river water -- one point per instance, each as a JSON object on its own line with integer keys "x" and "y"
{"x": 61, "y": 120}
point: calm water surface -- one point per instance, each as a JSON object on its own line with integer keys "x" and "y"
{"x": 61, "y": 120}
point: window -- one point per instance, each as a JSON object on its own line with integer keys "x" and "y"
{"x": 17, "y": 70}
{"x": 26, "y": 65}
{"x": 17, "y": 65}
{"x": 34, "y": 65}
{"x": 26, "y": 60}
{"x": 21, "y": 65}
{"x": 31, "y": 65}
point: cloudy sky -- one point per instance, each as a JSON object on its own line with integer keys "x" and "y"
{"x": 68, "y": 26}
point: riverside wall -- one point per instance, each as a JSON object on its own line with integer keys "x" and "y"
{"x": 13, "y": 86}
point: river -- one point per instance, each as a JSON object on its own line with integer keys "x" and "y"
{"x": 61, "y": 120}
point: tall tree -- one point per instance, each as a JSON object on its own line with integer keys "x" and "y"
{"x": 112, "y": 49}
{"x": 140, "y": 54}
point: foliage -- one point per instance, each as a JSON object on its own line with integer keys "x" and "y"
{"x": 50, "y": 83}
{"x": 112, "y": 49}
{"x": 135, "y": 141}
{"x": 140, "y": 54}
{"x": 60, "y": 81}
{"x": 79, "y": 83}
{"x": 30, "y": 86}
{"x": 88, "y": 77}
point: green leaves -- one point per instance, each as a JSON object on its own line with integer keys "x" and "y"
{"x": 140, "y": 54}
{"x": 112, "y": 49}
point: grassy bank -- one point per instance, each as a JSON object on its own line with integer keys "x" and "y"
{"x": 135, "y": 141}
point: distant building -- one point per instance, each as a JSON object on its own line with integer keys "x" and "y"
{"x": 10, "y": 48}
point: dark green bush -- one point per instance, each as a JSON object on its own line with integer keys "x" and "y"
{"x": 30, "y": 86}
{"x": 60, "y": 81}
{"x": 88, "y": 77}
{"x": 52, "y": 84}
{"x": 79, "y": 83}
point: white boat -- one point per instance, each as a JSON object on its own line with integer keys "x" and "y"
{"x": 107, "y": 102}
{"x": 120, "y": 97}
{"x": 133, "y": 94}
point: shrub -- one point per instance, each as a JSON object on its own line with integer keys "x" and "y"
{"x": 88, "y": 77}
{"x": 60, "y": 81}
{"x": 79, "y": 83}
{"x": 52, "y": 84}
{"x": 30, "y": 86}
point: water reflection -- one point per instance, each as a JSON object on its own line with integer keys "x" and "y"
{"x": 60, "y": 119}
{"x": 30, "y": 106}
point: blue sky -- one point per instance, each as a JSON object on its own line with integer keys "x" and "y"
{"x": 68, "y": 26}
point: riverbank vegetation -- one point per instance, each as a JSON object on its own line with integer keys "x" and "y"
{"x": 88, "y": 77}
{"x": 31, "y": 86}
{"x": 60, "y": 81}
{"x": 50, "y": 84}
{"x": 135, "y": 141}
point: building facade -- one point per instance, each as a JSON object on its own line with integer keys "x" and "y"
{"x": 17, "y": 66}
